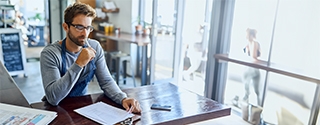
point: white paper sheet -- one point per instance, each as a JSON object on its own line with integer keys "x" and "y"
{"x": 104, "y": 113}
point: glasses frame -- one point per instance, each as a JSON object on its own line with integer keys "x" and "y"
{"x": 80, "y": 28}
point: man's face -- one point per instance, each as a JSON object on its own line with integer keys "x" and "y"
{"x": 77, "y": 36}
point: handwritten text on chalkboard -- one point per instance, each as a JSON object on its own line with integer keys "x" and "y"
{"x": 11, "y": 51}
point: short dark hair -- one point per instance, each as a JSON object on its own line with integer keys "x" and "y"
{"x": 78, "y": 8}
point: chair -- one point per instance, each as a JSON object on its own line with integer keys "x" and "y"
{"x": 114, "y": 61}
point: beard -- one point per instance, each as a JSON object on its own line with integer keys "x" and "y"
{"x": 76, "y": 40}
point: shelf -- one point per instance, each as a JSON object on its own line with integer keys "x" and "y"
{"x": 110, "y": 10}
{"x": 7, "y": 7}
{"x": 100, "y": 19}
{"x": 8, "y": 20}
{"x": 276, "y": 68}
{"x": 4, "y": 19}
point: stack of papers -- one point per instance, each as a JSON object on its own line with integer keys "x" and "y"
{"x": 17, "y": 115}
{"x": 104, "y": 113}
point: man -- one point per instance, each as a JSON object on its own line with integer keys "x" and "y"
{"x": 68, "y": 65}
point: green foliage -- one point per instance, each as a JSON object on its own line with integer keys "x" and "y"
{"x": 37, "y": 16}
{"x": 142, "y": 22}
{"x": 138, "y": 20}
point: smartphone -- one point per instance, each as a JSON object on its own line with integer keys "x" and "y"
{"x": 161, "y": 107}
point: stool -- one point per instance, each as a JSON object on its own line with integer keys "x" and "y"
{"x": 119, "y": 58}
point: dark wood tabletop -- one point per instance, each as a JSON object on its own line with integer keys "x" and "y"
{"x": 187, "y": 107}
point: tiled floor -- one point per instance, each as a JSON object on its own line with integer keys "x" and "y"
{"x": 32, "y": 88}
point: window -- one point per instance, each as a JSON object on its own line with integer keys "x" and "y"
{"x": 287, "y": 70}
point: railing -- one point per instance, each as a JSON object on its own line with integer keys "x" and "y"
{"x": 276, "y": 68}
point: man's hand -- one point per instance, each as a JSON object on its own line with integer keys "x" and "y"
{"x": 130, "y": 102}
{"x": 86, "y": 55}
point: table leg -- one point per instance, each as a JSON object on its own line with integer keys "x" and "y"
{"x": 144, "y": 66}
{"x": 138, "y": 72}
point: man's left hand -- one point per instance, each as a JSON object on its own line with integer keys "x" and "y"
{"x": 127, "y": 103}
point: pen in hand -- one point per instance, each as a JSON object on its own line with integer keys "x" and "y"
{"x": 130, "y": 110}
{"x": 87, "y": 43}
{"x": 88, "y": 46}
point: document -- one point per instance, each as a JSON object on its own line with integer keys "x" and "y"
{"x": 104, "y": 113}
{"x": 17, "y": 115}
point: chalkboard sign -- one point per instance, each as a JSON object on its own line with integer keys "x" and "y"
{"x": 12, "y": 50}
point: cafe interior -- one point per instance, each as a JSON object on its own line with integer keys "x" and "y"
{"x": 196, "y": 45}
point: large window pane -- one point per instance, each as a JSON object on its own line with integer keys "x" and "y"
{"x": 238, "y": 91}
{"x": 293, "y": 99}
{"x": 165, "y": 36}
{"x": 253, "y": 14}
{"x": 35, "y": 29}
{"x": 252, "y": 28}
{"x": 296, "y": 37}
{"x": 257, "y": 15}
{"x": 288, "y": 30}
{"x": 195, "y": 31}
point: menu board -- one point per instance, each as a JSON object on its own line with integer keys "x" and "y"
{"x": 12, "y": 50}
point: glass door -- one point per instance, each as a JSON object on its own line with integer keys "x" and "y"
{"x": 163, "y": 39}
{"x": 179, "y": 41}
{"x": 195, "y": 36}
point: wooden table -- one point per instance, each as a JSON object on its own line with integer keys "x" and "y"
{"x": 141, "y": 41}
{"x": 187, "y": 107}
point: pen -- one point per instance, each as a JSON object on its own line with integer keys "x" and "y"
{"x": 130, "y": 110}
{"x": 88, "y": 43}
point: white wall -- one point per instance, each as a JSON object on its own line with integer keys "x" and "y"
{"x": 129, "y": 10}
{"x": 127, "y": 14}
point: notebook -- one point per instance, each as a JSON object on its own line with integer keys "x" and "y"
{"x": 7, "y": 84}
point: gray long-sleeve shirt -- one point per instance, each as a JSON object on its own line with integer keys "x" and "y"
{"x": 57, "y": 87}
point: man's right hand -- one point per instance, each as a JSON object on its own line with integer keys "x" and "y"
{"x": 85, "y": 56}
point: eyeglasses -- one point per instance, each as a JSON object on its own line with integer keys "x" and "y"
{"x": 80, "y": 28}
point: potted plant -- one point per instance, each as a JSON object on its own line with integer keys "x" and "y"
{"x": 141, "y": 26}
{"x": 138, "y": 25}
{"x": 146, "y": 28}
